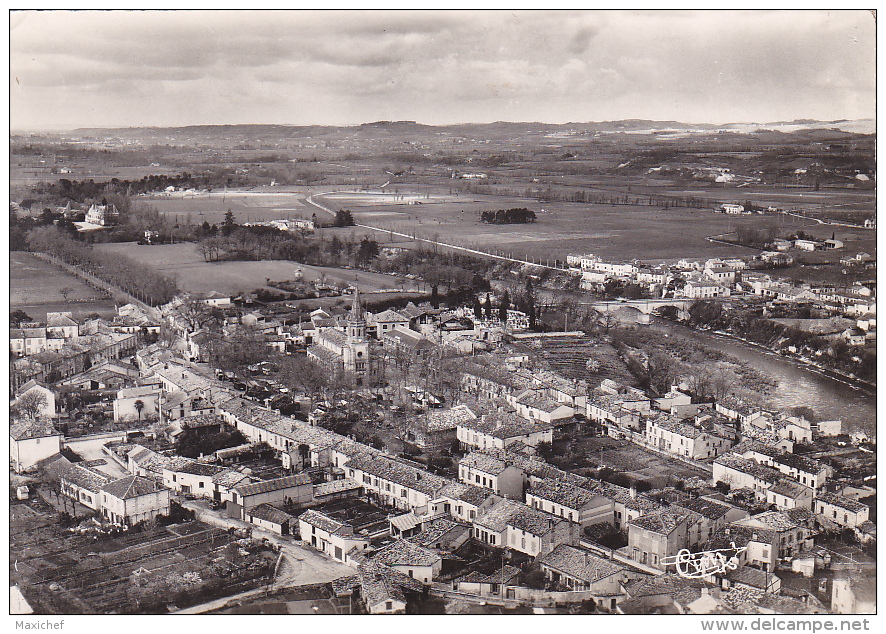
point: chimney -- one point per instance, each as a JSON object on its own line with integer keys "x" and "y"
{"x": 633, "y": 493}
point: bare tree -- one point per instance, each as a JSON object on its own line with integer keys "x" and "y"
{"x": 65, "y": 291}
{"x": 31, "y": 403}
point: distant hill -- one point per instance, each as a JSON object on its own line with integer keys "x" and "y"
{"x": 497, "y": 129}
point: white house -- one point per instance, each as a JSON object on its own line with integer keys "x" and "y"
{"x": 411, "y": 560}
{"x": 47, "y": 410}
{"x": 133, "y": 499}
{"x": 30, "y": 442}
{"x": 329, "y": 536}
{"x": 840, "y": 510}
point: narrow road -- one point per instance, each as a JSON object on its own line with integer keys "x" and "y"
{"x": 310, "y": 200}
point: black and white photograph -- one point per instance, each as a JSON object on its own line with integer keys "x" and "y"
{"x": 451, "y": 312}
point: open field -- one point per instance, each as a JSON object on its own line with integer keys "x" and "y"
{"x": 192, "y": 273}
{"x": 617, "y": 232}
{"x": 252, "y": 205}
{"x": 35, "y": 287}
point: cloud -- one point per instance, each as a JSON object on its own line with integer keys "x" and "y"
{"x": 437, "y": 66}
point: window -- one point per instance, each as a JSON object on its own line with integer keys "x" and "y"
{"x": 201, "y": 485}
{"x": 403, "y": 493}
{"x": 389, "y": 605}
{"x": 523, "y": 543}
{"x": 410, "y": 572}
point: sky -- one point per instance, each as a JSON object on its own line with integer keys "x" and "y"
{"x": 127, "y": 68}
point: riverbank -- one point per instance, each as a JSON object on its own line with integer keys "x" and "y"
{"x": 799, "y": 384}
{"x": 805, "y": 362}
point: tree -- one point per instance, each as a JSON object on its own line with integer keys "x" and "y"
{"x": 503, "y": 307}
{"x": 16, "y": 317}
{"x": 435, "y": 297}
{"x": 487, "y": 308}
{"x": 139, "y": 405}
{"x": 65, "y": 291}
{"x": 478, "y": 309}
{"x": 229, "y": 224}
{"x": 31, "y": 403}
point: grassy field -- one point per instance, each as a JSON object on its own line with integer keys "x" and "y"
{"x": 35, "y": 287}
{"x": 618, "y": 232}
{"x": 258, "y": 204}
{"x": 192, "y": 273}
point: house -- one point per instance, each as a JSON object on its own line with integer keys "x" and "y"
{"x": 788, "y": 536}
{"x": 839, "y": 510}
{"x": 411, "y": 559}
{"x": 580, "y": 570}
{"x": 271, "y": 519}
{"x": 628, "y": 505}
{"x": 133, "y": 499}
{"x": 83, "y": 485}
{"x": 395, "y": 483}
{"x": 655, "y": 536}
{"x": 329, "y": 536}
{"x": 806, "y": 245}
{"x": 542, "y": 409}
{"x": 47, "y": 410}
{"x": 832, "y": 244}
{"x": 571, "y": 502}
{"x": 297, "y": 488}
{"x": 497, "y": 430}
{"x": 854, "y": 336}
{"x": 382, "y": 589}
{"x": 62, "y": 325}
{"x": 193, "y": 478}
{"x": 807, "y": 471}
{"x": 216, "y": 299}
{"x": 760, "y": 544}
{"x": 741, "y": 473}
{"x": 854, "y": 592}
{"x": 513, "y": 525}
{"x": 483, "y": 470}
{"x": 442, "y": 535}
{"x": 732, "y": 209}
{"x": 126, "y": 408}
{"x": 102, "y": 215}
{"x": 437, "y": 429}
{"x": 668, "y": 434}
{"x": 789, "y": 494}
{"x": 30, "y": 442}
{"x": 463, "y": 501}
{"x": 490, "y": 585}
{"x": 720, "y": 274}
{"x": 387, "y": 321}
{"x": 707, "y": 517}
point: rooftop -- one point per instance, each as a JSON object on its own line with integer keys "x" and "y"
{"x": 27, "y": 430}
{"x": 269, "y": 513}
{"x": 399, "y": 473}
{"x": 321, "y": 521}
{"x": 404, "y": 553}
{"x": 579, "y": 564}
{"x": 660, "y": 521}
{"x": 567, "y": 495}
{"x": 465, "y": 493}
{"x": 130, "y": 487}
{"x": 266, "y": 486}
{"x": 841, "y": 502}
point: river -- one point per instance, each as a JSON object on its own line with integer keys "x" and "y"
{"x": 829, "y": 398}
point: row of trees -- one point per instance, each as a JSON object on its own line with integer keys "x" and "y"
{"x": 118, "y": 270}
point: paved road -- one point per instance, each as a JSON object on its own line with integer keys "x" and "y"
{"x": 300, "y": 565}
